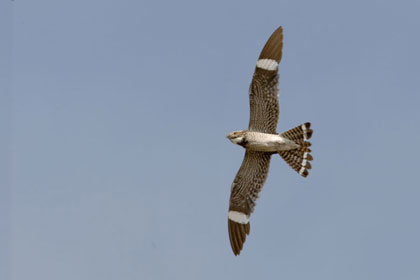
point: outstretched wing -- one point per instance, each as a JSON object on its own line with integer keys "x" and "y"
{"x": 263, "y": 92}
{"x": 248, "y": 182}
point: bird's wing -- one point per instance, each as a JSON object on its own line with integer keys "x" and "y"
{"x": 248, "y": 182}
{"x": 263, "y": 92}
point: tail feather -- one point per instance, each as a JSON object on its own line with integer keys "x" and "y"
{"x": 299, "y": 159}
{"x": 300, "y": 133}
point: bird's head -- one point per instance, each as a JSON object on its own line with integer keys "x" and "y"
{"x": 237, "y": 137}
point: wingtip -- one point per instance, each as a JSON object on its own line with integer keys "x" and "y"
{"x": 237, "y": 235}
{"x": 273, "y": 49}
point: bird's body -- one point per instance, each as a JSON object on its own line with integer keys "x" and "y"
{"x": 261, "y": 141}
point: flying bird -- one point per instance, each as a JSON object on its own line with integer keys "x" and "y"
{"x": 261, "y": 140}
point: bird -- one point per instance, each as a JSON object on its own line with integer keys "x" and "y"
{"x": 261, "y": 141}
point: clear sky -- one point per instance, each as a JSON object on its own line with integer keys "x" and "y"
{"x": 116, "y": 165}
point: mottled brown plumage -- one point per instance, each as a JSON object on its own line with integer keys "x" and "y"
{"x": 263, "y": 91}
{"x": 261, "y": 140}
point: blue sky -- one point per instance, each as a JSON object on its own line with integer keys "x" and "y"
{"x": 116, "y": 164}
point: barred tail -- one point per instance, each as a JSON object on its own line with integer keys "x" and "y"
{"x": 299, "y": 158}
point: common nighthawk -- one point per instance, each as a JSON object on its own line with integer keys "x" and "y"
{"x": 261, "y": 140}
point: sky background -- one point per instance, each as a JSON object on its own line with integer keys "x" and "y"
{"x": 114, "y": 161}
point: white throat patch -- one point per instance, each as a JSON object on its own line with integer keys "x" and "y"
{"x": 237, "y": 140}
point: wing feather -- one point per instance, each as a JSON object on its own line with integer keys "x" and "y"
{"x": 263, "y": 91}
{"x": 248, "y": 182}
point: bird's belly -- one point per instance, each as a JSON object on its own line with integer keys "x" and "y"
{"x": 267, "y": 146}
{"x": 262, "y": 146}
{"x": 274, "y": 143}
